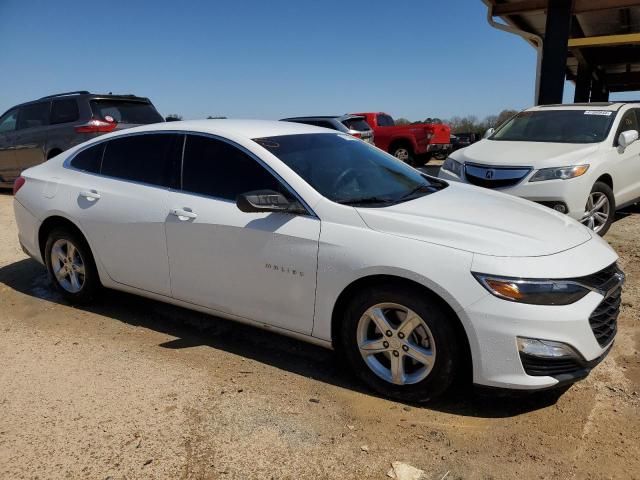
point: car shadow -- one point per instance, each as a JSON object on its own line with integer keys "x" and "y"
{"x": 627, "y": 212}
{"x": 194, "y": 329}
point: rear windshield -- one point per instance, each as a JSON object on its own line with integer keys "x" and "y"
{"x": 124, "y": 111}
{"x": 557, "y": 126}
{"x": 358, "y": 124}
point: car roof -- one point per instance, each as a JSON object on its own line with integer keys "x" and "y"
{"x": 611, "y": 106}
{"x": 346, "y": 116}
{"x": 248, "y": 129}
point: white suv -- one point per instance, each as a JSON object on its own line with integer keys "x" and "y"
{"x": 321, "y": 236}
{"x": 579, "y": 159}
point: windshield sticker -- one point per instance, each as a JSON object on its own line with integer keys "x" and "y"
{"x": 605, "y": 113}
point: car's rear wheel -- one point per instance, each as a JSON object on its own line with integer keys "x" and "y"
{"x": 71, "y": 266}
{"x": 400, "y": 343}
{"x": 404, "y": 153}
{"x": 600, "y": 209}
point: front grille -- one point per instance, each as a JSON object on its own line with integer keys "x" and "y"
{"x": 604, "y": 318}
{"x": 542, "y": 367}
{"x": 494, "y": 177}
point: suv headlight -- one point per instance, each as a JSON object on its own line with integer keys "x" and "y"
{"x": 452, "y": 166}
{"x": 559, "y": 173}
{"x": 533, "y": 291}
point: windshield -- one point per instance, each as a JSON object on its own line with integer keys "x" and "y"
{"x": 123, "y": 111}
{"x": 349, "y": 171}
{"x": 357, "y": 123}
{"x": 558, "y": 126}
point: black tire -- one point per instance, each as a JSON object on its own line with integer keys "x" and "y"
{"x": 448, "y": 358}
{"x": 90, "y": 284}
{"x": 603, "y": 188}
{"x": 403, "y": 152}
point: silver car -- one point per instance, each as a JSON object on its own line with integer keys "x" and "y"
{"x": 354, "y": 125}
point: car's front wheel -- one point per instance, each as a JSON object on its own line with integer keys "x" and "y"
{"x": 71, "y": 266}
{"x": 401, "y": 343}
{"x": 600, "y": 209}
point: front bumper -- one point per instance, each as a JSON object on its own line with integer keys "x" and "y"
{"x": 572, "y": 193}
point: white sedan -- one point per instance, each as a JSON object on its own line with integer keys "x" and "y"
{"x": 318, "y": 235}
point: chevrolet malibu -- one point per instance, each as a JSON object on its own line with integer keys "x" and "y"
{"x": 317, "y": 235}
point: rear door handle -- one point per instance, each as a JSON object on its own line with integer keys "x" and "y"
{"x": 90, "y": 195}
{"x": 183, "y": 215}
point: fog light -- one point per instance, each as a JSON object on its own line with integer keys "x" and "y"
{"x": 545, "y": 348}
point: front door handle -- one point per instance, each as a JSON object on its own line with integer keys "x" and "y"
{"x": 183, "y": 215}
{"x": 90, "y": 195}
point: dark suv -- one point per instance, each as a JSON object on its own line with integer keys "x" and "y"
{"x": 352, "y": 124}
{"x": 33, "y": 132}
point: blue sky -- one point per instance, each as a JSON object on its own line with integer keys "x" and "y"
{"x": 268, "y": 59}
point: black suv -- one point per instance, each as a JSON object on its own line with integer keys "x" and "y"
{"x": 33, "y": 132}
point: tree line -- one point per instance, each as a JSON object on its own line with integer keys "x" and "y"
{"x": 470, "y": 123}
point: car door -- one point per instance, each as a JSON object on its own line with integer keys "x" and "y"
{"x": 260, "y": 266}
{"x": 122, "y": 207}
{"x": 626, "y": 174}
{"x": 31, "y": 134}
{"x": 8, "y": 166}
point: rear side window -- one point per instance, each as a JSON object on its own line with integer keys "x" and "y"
{"x": 215, "y": 168}
{"x": 8, "y": 121}
{"x": 34, "y": 115}
{"x": 64, "y": 111}
{"x": 358, "y": 124}
{"x": 124, "y": 111}
{"x": 385, "y": 121}
{"x": 89, "y": 159}
{"x": 149, "y": 158}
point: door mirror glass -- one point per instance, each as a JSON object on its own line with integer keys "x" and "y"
{"x": 266, "y": 201}
{"x": 489, "y": 132}
{"x": 627, "y": 137}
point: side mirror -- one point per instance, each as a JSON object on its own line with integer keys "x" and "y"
{"x": 489, "y": 132}
{"x": 627, "y": 137}
{"x": 267, "y": 201}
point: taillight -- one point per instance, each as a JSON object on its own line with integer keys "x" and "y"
{"x": 357, "y": 135}
{"x": 96, "y": 126}
{"x": 17, "y": 185}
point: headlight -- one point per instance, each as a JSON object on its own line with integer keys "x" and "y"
{"x": 559, "y": 173}
{"x": 452, "y": 166}
{"x": 532, "y": 291}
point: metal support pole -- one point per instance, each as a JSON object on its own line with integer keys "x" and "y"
{"x": 554, "y": 52}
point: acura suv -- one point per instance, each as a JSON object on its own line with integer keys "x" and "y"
{"x": 33, "y": 132}
{"x": 579, "y": 159}
{"x": 320, "y": 236}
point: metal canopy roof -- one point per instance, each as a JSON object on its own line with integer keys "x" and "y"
{"x": 604, "y": 35}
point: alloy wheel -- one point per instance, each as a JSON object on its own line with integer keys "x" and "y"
{"x": 68, "y": 265}
{"x": 396, "y": 343}
{"x": 597, "y": 212}
{"x": 402, "y": 154}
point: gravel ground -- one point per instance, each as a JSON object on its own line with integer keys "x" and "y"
{"x": 132, "y": 388}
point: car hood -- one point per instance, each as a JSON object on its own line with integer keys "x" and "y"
{"x": 479, "y": 221}
{"x": 530, "y": 154}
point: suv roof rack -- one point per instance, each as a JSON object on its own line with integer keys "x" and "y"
{"x": 77, "y": 92}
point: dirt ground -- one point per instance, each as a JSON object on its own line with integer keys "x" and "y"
{"x": 132, "y": 388}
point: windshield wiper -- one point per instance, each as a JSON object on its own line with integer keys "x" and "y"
{"x": 419, "y": 188}
{"x": 364, "y": 201}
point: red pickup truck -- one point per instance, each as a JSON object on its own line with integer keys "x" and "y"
{"x": 414, "y": 143}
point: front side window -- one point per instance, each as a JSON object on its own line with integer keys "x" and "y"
{"x": 557, "y": 126}
{"x": 217, "y": 169}
{"x": 349, "y": 171}
{"x": 148, "y": 158}
{"x": 64, "y": 111}
{"x": 34, "y": 115}
{"x": 8, "y": 121}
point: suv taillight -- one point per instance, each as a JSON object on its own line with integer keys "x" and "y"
{"x": 17, "y": 185}
{"x": 96, "y": 126}
{"x": 357, "y": 135}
